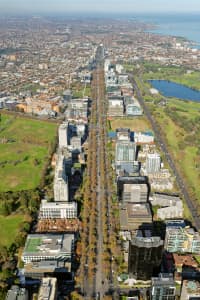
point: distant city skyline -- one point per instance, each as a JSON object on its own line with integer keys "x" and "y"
{"x": 103, "y": 6}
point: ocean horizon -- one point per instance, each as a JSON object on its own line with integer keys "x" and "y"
{"x": 177, "y": 24}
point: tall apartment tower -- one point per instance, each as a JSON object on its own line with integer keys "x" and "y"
{"x": 60, "y": 185}
{"x": 62, "y": 134}
{"x": 145, "y": 255}
{"x": 153, "y": 162}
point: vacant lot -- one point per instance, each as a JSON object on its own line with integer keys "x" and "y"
{"x": 24, "y": 149}
{"x": 135, "y": 124}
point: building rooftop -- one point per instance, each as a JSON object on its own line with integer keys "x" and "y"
{"x": 132, "y": 179}
{"x": 187, "y": 260}
{"x": 48, "y": 244}
{"x": 57, "y": 205}
{"x": 147, "y": 242}
{"x": 175, "y": 223}
{"x": 17, "y": 293}
{"x": 47, "y": 289}
{"x": 163, "y": 280}
{"x": 138, "y": 209}
{"x": 125, "y": 151}
{"x": 190, "y": 232}
{"x": 135, "y": 187}
{"x": 192, "y": 287}
{"x": 134, "y": 215}
{"x": 46, "y": 267}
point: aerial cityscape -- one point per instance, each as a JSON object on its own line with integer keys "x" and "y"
{"x": 100, "y": 150}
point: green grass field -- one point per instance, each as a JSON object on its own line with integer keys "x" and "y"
{"x": 9, "y": 228}
{"x": 135, "y": 124}
{"x": 186, "y": 157}
{"x": 24, "y": 149}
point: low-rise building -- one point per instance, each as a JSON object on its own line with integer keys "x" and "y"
{"x": 170, "y": 212}
{"x": 185, "y": 266}
{"x": 163, "y": 287}
{"x": 135, "y": 215}
{"x": 115, "y": 107}
{"x": 75, "y": 143}
{"x": 164, "y": 200}
{"x": 133, "y": 110}
{"x": 123, "y": 134}
{"x": 146, "y": 137}
{"x": 77, "y": 110}
{"x": 17, "y": 293}
{"x": 190, "y": 290}
{"x": 172, "y": 206}
{"x": 182, "y": 240}
{"x": 135, "y": 193}
{"x": 44, "y": 268}
{"x": 48, "y": 289}
{"x": 54, "y": 247}
{"x": 153, "y": 163}
{"x": 125, "y": 155}
{"x": 58, "y": 210}
{"x": 133, "y": 188}
{"x": 132, "y": 107}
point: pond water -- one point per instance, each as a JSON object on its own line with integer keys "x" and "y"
{"x": 172, "y": 89}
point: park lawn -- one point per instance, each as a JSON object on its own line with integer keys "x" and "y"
{"x": 4, "y": 120}
{"x": 135, "y": 123}
{"x": 23, "y": 159}
{"x": 22, "y": 129}
{"x": 9, "y": 228}
{"x": 192, "y": 80}
{"x": 189, "y": 109}
{"x": 24, "y": 175}
{"x": 172, "y": 131}
{"x": 186, "y": 158}
{"x": 191, "y": 169}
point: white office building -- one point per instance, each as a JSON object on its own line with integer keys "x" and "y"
{"x": 51, "y": 247}
{"x": 58, "y": 210}
{"x": 153, "y": 162}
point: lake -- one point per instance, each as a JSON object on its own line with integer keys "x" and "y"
{"x": 172, "y": 89}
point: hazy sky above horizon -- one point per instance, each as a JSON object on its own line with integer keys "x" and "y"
{"x": 62, "y": 6}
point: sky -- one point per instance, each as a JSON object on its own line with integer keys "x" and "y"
{"x": 68, "y": 6}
